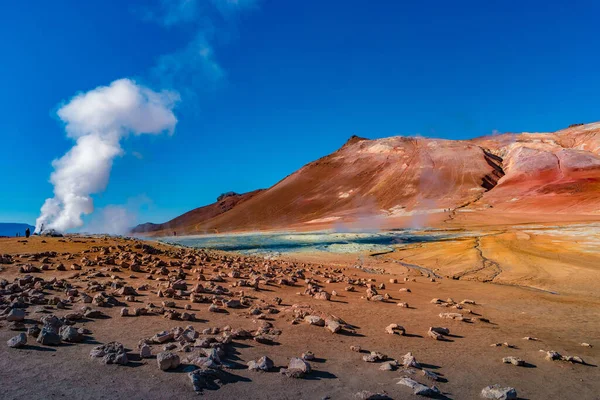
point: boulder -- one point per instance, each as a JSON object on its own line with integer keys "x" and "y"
{"x": 91, "y": 313}
{"x": 167, "y": 360}
{"x": 395, "y": 329}
{"x": 553, "y": 355}
{"x": 33, "y": 331}
{"x": 145, "y": 351}
{"x": 322, "y": 295}
{"x": 52, "y": 321}
{"x": 17, "y": 341}
{"x": 440, "y": 330}
{"x": 70, "y": 334}
{"x": 389, "y": 365}
{"x": 127, "y": 291}
{"x": 162, "y": 337}
{"x": 437, "y": 333}
{"x": 314, "y": 320}
{"x": 430, "y": 375}
{"x": 374, "y": 356}
{"x": 498, "y": 392}
{"x": 203, "y": 379}
{"x": 265, "y": 339}
{"x": 408, "y": 360}
{"x": 513, "y": 360}
{"x": 297, "y": 368}
{"x": 419, "y": 388}
{"x": 456, "y": 316}
{"x": 116, "y": 358}
{"x": 111, "y": 353}
{"x": 333, "y": 325}
{"x": 262, "y": 364}
{"x": 573, "y": 359}
{"x": 73, "y": 316}
{"x": 233, "y": 303}
{"x": 16, "y": 315}
{"x": 48, "y": 337}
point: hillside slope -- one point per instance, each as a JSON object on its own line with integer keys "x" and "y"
{"x": 192, "y": 220}
{"x": 406, "y": 181}
{"x": 548, "y": 172}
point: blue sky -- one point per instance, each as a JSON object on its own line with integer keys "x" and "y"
{"x": 280, "y": 83}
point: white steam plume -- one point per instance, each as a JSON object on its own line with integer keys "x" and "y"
{"x": 98, "y": 120}
{"x": 112, "y": 220}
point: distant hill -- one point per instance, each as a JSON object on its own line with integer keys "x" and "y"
{"x": 11, "y": 229}
{"x": 191, "y": 221}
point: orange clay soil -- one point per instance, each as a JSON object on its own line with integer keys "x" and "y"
{"x": 466, "y": 361}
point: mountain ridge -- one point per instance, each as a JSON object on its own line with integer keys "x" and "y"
{"x": 407, "y": 181}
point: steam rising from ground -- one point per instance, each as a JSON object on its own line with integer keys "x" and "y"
{"x": 98, "y": 120}
{"x": 112, "y": 220}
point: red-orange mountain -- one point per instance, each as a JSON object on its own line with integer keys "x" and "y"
{"x": 407, "y": 181}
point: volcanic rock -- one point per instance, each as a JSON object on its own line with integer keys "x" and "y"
{"x": 17, "y": 341}
{"x": 409, "y": 361}
{"x": 513, "y": 360}
{"x": 167, "y": 360}
{"x": 419, "y": 388}
{"x": 203, "y": 378}
{"x": 111, "y": 353}
{"x": 70, "y": 334}
{"x": 297, "y": 368}
{"x": 145, "y": 351}
{"x": 48, "y": 336}
{"x": 314, "y": 320}
{"x": 332, "y": 325}
{"x": 395, "y": 329}
{"x": 16, "y": 315}
{"x": 498, "y": 392}
{"x": 262, "y": 364}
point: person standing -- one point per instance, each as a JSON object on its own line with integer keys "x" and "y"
{"x": 27, "y": 233}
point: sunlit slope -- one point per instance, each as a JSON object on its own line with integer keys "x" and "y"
{"x": 402, "y": 181}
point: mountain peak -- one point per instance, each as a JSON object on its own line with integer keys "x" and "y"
{"x": 354, "y": 139}
{"x": 401, "y": 181}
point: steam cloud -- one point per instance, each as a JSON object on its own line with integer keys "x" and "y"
{"x": 98, "y": 120}
{"x": 111, "y": 220}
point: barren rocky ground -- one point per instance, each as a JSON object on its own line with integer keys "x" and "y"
{"x": 99, "y": 317}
